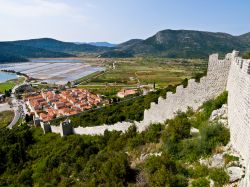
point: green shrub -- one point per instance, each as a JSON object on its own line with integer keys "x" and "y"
{"x": 189, "y": 149}
{"x": 163, "y": 171}
{"x": 201, "y": 182}
{"x": 177, "y": 130}
{"x": 229, "y": 158}
{"x": 207, "y": 109}
{"x": 198, "y": 171}
{"x": 153, "y": 133}
{"x": 219, "y": 176}
{"x": 213, "y": 135}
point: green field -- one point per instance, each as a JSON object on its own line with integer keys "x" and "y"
{"x": 5, "y": 118}
{"x": 10, "y": 84}
{"x": 134, "y": 71}
{"x": 6, "y": 86}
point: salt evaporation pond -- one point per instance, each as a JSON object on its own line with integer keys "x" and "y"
{"x": 55, "y": 71}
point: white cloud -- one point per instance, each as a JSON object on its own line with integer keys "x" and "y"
{"x": 36, "y": 8}
{"x": 23, "y": 19}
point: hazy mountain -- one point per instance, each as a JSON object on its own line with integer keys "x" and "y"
{"x": 102, "y": 44}
{"x": 186, "y": 44}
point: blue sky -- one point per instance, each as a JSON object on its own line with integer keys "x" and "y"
{"x": 118, "y": 20}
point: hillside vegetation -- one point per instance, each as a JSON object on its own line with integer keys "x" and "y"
{"x": 29, "y": 158}
{"x": 59, "y": 46}
{"x": 19, "y": 53}
{"x": 247, "y": 55}
{"x": 186, "y": 44}
{"x": 5, "y": 118}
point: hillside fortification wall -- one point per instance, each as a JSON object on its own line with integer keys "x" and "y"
{"x": 194, "y": 95}
{"x": 231, "y": 73}
{"x": 238, "y": 87}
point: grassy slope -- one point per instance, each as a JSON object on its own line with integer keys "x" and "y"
{"x": 10, "y": 84}
{"x": 6, "y": 86}
{"x": 5, "y": 118}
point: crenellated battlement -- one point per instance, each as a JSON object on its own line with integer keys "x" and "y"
{"x": 195, "y": 94}
{"x": 242, "y": 65}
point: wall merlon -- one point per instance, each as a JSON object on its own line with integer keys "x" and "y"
{"x": 214, "y": 58}
{"x": 169, "y": 94}
{"x": 161, "y": 100}
{"x": 152, "y": 104}
{"x": 191, "y": 83}
{"x": 179, "y": 89}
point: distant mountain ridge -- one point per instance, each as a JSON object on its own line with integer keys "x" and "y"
{"x": 97, "y": 44}
{"x": 166, "y": 43}
{"x": 59, "y": 46}
{"x": 185, "y": 44}
{"x": 22, "y": 50}
{"x": 102, "y": 44}
{"x": 9, "y": 52}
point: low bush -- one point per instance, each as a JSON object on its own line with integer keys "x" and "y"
{"x": 201, "y": 182}
{"x": 219, "y": 176}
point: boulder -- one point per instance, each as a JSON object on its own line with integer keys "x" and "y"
{"x": 235, "y": 173}
{"x": 217, "y": 161}
{"x": 220, "y": 113}
{"x": 194, "y": 131}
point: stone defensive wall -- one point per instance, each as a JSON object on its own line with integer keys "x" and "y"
{"x": 194, "y": 95}
{"x": 231, "y": 74}
{"x": 238, "y": 87}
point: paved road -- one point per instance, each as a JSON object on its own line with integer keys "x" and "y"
{"x": 15, "y": 119}
{"x": 17, "y": 107}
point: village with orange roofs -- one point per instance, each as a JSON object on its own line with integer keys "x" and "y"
{"x": 48, "y": 105}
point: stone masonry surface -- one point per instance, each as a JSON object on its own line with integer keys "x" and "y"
{"x": 238, "y": 87}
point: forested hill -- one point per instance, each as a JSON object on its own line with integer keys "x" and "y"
{"x": 167, "y": 43}
{"x": 18, "y": 53}
{"x": 186, "y": 44}
{"x": 59, "y": 46}
{"x": 247, "y": 55}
